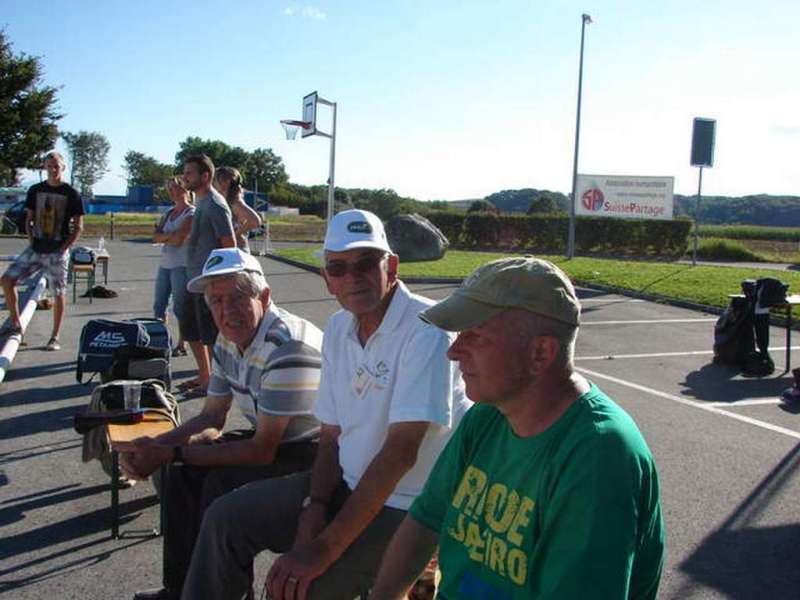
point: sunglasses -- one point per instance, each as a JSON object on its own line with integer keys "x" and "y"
{"x": 339, "y": 268}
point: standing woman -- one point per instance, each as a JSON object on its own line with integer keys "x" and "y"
{"x": 228, "y": 182}
{"x": 172, "y": 231}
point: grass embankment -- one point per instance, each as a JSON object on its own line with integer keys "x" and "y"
{"x": 701, "y": 284}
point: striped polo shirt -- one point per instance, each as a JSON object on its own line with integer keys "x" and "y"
{"x": 278, "y": 373}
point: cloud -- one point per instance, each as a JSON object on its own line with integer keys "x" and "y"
{"x": 786, "y": 129}
{"x": 307, "y": 11}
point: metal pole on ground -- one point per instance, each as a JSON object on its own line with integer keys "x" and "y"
{"x": 11, "y": 345}
{"x": 571, "y": 238}
{"x": 697, "y": 217}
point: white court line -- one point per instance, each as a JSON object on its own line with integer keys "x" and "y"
{"x": 666, "y": 354}
{"x": 751, "y": 402}
{"x": 647, "y": 321}
{"x": 648, "y": 355}
{"x": 617, "y": 300}
{"x": 705, "y": 407}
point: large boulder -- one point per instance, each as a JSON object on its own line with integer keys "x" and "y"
{"x": 412, "y": 237}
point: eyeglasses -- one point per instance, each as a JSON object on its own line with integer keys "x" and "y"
{"x": 339, "y": 268}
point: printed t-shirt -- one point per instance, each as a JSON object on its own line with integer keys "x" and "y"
{"x": 212, "y": 221}
{"x": 278, "y": 373}
{"x": 52, "y": 207}
{"x": 573, "y": 512}
{"x": 401, "y": 374}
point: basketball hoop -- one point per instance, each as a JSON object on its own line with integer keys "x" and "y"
{"x": 292, "y": 127}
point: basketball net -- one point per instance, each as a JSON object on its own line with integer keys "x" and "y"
{"x": 292, "y": 127}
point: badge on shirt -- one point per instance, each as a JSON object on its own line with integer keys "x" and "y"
{"x": 362, "y": 381}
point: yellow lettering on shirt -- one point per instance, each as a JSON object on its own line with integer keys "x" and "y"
{"x": 491, "y": 523}
{"x": 472, "y": 484}
{"x": 522, "y": 519}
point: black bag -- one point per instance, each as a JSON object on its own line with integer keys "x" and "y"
{"x": 733, "y": 334}
{"x": 100, "y": 338}
{"x": 139, "y": 363}
{"x": 158, "y": 332}
{"x": 771, "y": 291}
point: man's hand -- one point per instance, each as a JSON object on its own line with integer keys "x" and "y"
{"x": 292, "y": 574}
{"x": 141, "y": 457}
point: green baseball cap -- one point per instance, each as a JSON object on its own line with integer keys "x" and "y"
{"x": 526, "y": 282}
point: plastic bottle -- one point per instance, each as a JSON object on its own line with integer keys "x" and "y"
{"x": 101, "y": 243}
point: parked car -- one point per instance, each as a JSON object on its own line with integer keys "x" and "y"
{"x": 14, "y": 219}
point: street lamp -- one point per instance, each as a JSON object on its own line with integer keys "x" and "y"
{"x": 309, "y": 127}
{"x": 585, "y": 19}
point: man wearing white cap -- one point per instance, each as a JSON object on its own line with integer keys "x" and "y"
{"x": 268, "y": 361}
{"x": 547, "y": 489}
{"x": 388, "y": 401}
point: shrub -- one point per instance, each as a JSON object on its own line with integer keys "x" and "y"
{"x": 721, "y": 249}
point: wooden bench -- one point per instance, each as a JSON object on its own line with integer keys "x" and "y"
{"x": 152, "y": 425}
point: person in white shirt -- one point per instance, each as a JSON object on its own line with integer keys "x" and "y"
{"x": 388, "y": 402}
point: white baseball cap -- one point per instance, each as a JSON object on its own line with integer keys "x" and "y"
{"x": 355, "y": 228}
{"x": 224, "y": 261}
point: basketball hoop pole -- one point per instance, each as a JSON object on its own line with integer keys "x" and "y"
{"x": 309, "y": 124}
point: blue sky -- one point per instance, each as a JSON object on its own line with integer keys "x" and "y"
{"x": 437, "y": 100}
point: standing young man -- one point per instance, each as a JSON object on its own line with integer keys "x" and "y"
{"x": 53, "y": 222}
{"x": 211, "y": 228}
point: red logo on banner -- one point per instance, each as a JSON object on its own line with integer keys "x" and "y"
{"x": 592, "y": 199}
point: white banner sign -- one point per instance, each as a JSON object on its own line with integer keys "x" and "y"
{"x": 624, "y": 197}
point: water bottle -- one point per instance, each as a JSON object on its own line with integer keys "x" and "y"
{"x": 101, "y": 243}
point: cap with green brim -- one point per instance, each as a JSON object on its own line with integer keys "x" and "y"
{"x": 528, "y": 283}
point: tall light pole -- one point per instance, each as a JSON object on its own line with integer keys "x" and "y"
{"x": 585, "y": 19}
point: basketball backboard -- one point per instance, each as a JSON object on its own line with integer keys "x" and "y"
{"x": 310, "y": 114}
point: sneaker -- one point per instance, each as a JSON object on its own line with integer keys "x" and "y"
{"x": 53, "y": 345}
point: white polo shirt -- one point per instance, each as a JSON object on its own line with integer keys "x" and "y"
{"x": 402, "y": 374}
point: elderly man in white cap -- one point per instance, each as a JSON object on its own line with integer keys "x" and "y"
{"x": 388, "y": 401}
{"x": 547, "y": 489}
{"x": 268, "y": 361}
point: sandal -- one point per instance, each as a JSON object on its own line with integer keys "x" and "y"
{"x": 188, "y": 385}
{"x": 53, "y": 345}
{"x": 192, "y": 393}
{"x": 179, "y": 351}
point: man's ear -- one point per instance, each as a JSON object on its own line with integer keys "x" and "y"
{"x": 392, "y": 266}
{"x": 543, "y": 352}
{"x": 265, "y": 297}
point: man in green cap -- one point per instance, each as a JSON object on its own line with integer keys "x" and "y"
{"x": 547, "y": 488}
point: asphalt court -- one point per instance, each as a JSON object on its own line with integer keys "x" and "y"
{"x": 727, "y": 451}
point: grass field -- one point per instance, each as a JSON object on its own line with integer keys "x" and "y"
{"x": 701, "y": 284}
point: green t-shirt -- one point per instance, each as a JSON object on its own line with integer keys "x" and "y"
{"x": 573, "y": 512}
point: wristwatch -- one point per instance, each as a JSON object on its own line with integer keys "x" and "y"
{"x": 309, "y": 500}
{"x": 177, "y": 455}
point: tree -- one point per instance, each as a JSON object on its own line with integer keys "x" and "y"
{"x": 265, "y": 167}
{"x": 88, "y": 158}
{"x": 27, "y": 113}
{"x": 146, "y": 170}
{"x": 545, "y": 203}
{"x": 482, "y": 206}
{"x": 220, "y": 153}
